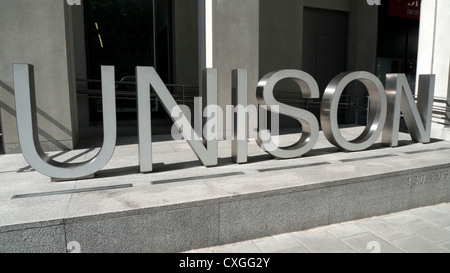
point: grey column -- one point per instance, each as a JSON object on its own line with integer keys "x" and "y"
{"x": 39, "y": 33}
{"x": 236, "y": 46}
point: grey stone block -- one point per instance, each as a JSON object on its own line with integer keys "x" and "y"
{"x": 26, "y": 213}
{"x": 12, "y": 148}
{"x": 37, "y": 240}
{"x": 430, "y": 187}
{"x": 370, "y": 198}
{"x": 259, "y": 217}
{"x": 176, "y": 215}
{"x": 168, "y": 231}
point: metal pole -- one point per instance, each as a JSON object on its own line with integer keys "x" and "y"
{"x": 154, "y": 34}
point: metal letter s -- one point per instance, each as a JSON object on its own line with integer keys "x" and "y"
{"x": 310, "y": 125}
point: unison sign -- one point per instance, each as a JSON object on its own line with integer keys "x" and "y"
{"x": 385, "y": 108}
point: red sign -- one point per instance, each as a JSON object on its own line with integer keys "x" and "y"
{"x": 409, "y": 9}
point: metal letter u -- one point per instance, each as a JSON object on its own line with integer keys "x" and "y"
{"x": 25, "y": 98}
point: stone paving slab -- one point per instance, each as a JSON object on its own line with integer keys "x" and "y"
{"x": 417, "y": 244}
{"x": 384, "y": 229}
{"x": 368, "y": 243}
{"x": 279, "y": 243}
{"x": 321, "y": 242}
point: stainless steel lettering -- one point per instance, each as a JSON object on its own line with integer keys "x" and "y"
{"x": 377, "y": 111}
{"x": 146, "y": 77}
{"x": 400, "y": 100}
{"x": 240, "y": 101}
{"x": 27, "y": 126}
{"x": 310, "y": 125}
{"x": 385, "y": 108}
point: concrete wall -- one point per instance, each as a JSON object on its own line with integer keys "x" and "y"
{"x": 80, "y": 61}
{"x": 340, "y": 5}
{"x": 434, "y": 50}
{"x": 79, "y": 44}
{"x": 281, "y": 35}
{"x": 38, "y": 32}
{"x": 72, "y": 63}
{"x": 281, "y": 31}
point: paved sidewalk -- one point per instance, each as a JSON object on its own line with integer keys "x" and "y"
{"x": 423, "y": 230}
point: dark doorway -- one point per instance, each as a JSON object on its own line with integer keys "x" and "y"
{"x": 119, "y": 33}
{"x": 126, "y": 34}
{"x": 325, "y": 43}
{"x": 325, "y": 46}
{"x": 398, "y": 39}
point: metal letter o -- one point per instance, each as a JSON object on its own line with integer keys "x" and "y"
{"x": 377, "y": 111}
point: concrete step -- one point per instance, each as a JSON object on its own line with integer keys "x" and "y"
{"x": 184, "y": 206}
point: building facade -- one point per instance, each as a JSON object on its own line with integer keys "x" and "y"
{"x": 68, "y": 41}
